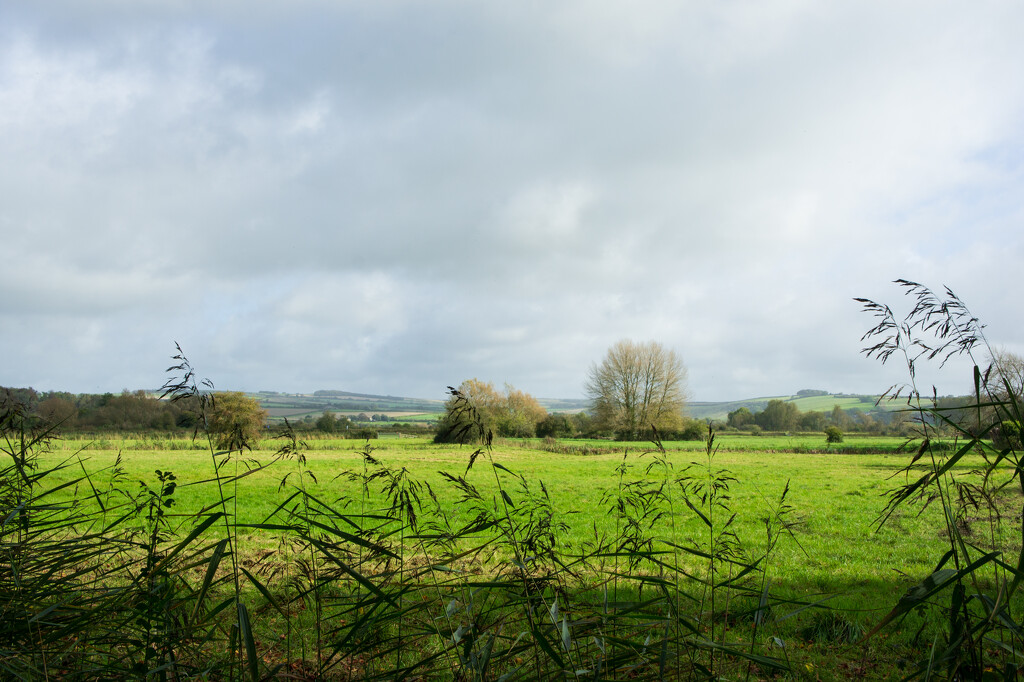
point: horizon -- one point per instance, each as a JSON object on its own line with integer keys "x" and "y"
{"x": 402, "y": 396}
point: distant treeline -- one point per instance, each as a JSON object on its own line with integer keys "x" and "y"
{"x": 144, "y": 411}
{"x": 140, "y": 411}
{"x": 780, "y": 415}
{"x": 126, "y": 411}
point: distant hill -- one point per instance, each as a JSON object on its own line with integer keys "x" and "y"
{"x": 299, "y": 405}
{"x": 573, "y": 405}
{"x": 806, "y": 403}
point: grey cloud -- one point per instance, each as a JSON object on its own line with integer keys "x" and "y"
{"x": 394, "y": 197}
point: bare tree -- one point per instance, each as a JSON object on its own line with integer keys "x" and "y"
{"x": 637, "y": 385}
{"x": 1006, "y": 371}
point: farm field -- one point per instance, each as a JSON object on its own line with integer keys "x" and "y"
{"x": 836, "y": 498}
{"x": 835, "y": 554}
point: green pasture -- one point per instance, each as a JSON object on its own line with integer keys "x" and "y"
{"x": 825, "y": 403}
{"x": 836, "y": 565}
{"x": 744, "y": 442}
{"x": 836, "y": 548}
{"x": 726, "y": 442}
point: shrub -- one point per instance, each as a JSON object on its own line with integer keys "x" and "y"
{"x": 833, "y": 434}
{"x": 1007, "y": 435}
{"x": 694, "y": 430}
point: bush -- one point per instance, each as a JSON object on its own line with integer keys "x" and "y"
{"x": 833, "y": 434}
{"x": 1007, "y": 435}
{"x": 557, "y": 426}
{"x": 695, "y": 430}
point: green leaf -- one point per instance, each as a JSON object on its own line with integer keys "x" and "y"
{"x": 245, "y": 630}
{"x": 211, "y": 571}
{"x": 264, "y": 591}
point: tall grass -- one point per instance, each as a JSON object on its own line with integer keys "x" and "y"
{"x": 974, "y": 588}
{"x": 101, "y": 581}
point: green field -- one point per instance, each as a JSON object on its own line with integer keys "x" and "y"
{"x": 822, "y": 403}
{"x": 835, "y": 556}
{"x": 835, "y": 497}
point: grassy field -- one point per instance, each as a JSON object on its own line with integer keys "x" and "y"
{"x": 823, "y": 403}
{"x": 835, "y": 553}
{"x": 837, "y": 498}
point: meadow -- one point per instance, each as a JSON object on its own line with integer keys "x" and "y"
{"x": 781, "y": 530}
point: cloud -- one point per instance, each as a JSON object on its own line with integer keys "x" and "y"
{"x": 392, "y": 198}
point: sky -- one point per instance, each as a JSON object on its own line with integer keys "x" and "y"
{"x": 392, "y": 197}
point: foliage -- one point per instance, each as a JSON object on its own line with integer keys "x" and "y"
{"x": 328, "y": 422}
{"x": 511, "y": 413}
{"x": 839, "y": 418}
{"x": 740, "y": 418}
{"x": 1007, "y": 435}
{"x": 235, "y": 421}
{"x": 557, "y": 425}
{"x": 693, "y": 430}
{"x": 833, "y": 434}
{"x": 812, "y": 421}
{"x": 778, "y": 416}
{"x": 972, "y": 585}
{"x": 636, "y": 387}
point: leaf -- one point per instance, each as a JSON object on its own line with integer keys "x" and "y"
{"x": 245, "y": 629}
{"x": 211, "y": 571}
{"x": 196, "y": 532}
{"x": 264, "y": 591}
{"x": 931, "y": 585}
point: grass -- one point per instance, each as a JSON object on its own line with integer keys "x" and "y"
{"x": 745, "y": 442}
{"x": 835, "y": 549}
{"x": 833, "y": 552}
{"x": 825, "y": 403}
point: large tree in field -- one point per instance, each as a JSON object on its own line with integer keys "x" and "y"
{"x": 477, "y": 408}
{"x": 236, "y": 421}
{"x": 637, "y": 385}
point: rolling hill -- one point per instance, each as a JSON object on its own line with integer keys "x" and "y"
{"x": 300, "y": 405}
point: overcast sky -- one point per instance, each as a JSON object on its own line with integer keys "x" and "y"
{"x": 391, "y": 197}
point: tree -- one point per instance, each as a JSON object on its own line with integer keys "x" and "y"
{"x": 1006, "y": 371}
{"x": 57, "y": 411}
{"x": 236, "y": 421}
{"x": 519, "y": 415}
{"x": 812, "y": 421}
{"x": 477, "y": 408}
{"x": 327, "y": 422}
{"x": 556, "y": 426}
{"x": 839, "y": 417}
{"x": 637, "y": 386}
{"x": 778, "y": 415}
{"x": 740, "y": 418}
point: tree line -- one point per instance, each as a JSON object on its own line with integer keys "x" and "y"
{"x": 126, "y": 411}
{"x": 781, "y": 416}
{"x": 637, "y": 391}
{"x": 232, "y": 417}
